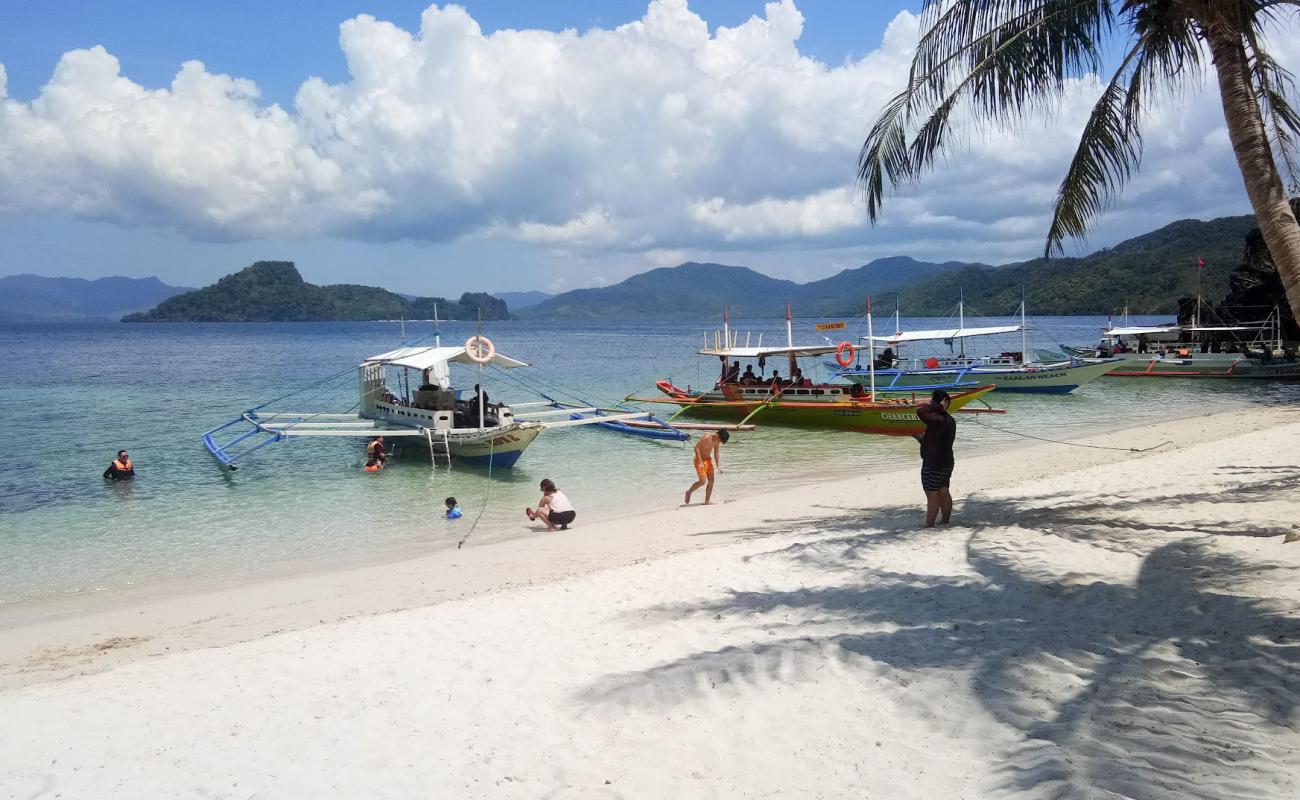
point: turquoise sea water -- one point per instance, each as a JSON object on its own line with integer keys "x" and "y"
{"x": 74, "y": 394}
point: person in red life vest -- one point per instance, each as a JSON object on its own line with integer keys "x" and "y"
{"x": 121, "y": 469}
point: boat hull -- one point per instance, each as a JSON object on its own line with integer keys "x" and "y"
{"x": 1222, "y": 366}
{"x": 888, "y": 418}
{"x": 1045, "y": 379}
{"x": 498, "y": 448}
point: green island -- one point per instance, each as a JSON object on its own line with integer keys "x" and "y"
{"x": 273, "y": 291}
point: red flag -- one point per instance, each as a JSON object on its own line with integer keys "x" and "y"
{"x": 1200, "y": 262}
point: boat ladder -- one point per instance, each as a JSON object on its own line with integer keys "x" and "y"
{"x": 438, "y": 444}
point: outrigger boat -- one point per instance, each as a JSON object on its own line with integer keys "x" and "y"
{"x": 803, "y": 404}
{"x": 1008, "y": 371}
{"x": 434, "y": 415}
{"x": 1252, "y": 351}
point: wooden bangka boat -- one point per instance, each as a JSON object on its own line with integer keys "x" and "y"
{"x": 1008, "y": 371}
{"x": 428, "y": 412}
{"x": 1252, "y": 351}
{"x": 801, "y": 403}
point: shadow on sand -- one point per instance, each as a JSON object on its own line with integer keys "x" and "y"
{"x": 1173, "y": 685}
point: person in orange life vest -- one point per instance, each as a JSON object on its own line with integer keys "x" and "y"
{"x": 121, "y": 469}
{"x": 375, "y": 451}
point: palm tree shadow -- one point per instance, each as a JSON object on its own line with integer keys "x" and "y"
{"x": 1173, "y": 677}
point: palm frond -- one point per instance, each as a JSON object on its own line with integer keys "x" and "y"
{"x": 1273, "y": 83}
{"x": 1109, "y": 150}
{"x": 1005, "y": 67}
{"x": 884, "y": 154}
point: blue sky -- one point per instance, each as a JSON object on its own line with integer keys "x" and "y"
{"x": 455, "y": 157}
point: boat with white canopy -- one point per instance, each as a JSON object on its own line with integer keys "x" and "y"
{"x": 1009, "y": 371}
{"x": 428, "y": 412}
{"x": 796, "y": 400}
{"x": 1252, "y": 350}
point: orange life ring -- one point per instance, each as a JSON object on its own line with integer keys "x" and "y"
{"x": 844, "y": 354}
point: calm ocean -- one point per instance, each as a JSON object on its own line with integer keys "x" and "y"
{"x": 74, "y": 394}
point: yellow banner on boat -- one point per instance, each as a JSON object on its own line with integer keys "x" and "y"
{"x": 831, "y": 326}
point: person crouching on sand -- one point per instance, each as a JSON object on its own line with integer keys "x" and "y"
{"x": 936, "y": 457}
{"x": 554, "y": 508}
{"x": 707, "y": 461}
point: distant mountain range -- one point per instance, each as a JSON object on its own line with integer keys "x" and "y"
{"x": 518, "y": 300}
{"x": 1148, "y": 273}
{"x": 34, "y": 298}
{"x": 274, "y": 291}
{"x": 695, "y": 290}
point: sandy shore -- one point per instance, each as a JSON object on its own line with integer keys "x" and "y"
{"x": 1101, "y": 624}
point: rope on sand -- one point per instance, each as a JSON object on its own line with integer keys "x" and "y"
{"x": 487, "y": 495}
{"x": 1072, "y": 444}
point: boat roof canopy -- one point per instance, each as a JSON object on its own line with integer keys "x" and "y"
{"x": 1142, "y": 331}
{"x": 423, "y": 358}
{"x": 768, "y": 352}
{"x": 945, "y": 333}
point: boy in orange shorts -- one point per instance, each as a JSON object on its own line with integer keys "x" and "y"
{"x": 706, "y": 457}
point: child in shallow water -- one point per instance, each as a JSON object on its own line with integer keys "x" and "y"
{"x": 453, "y": 509}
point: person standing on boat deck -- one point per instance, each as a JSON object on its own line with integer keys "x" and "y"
{"x": 707, "y": 461}
{"x": 375, "y": 451}
{"x": 733, "y": 374}
{"x": 936, "y": 457}
{"x": 554, "y": 508}
{"x": 121, "y": 469}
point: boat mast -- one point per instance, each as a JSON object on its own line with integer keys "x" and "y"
{"x": 871, "y": 350}
{"x": 482, "y": 410}
{"x": 1024, "y": 334}
{"x": 789, "y": 339}
{"x": 961, "y": 321}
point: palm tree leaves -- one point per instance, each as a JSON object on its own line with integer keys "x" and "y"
{"x": 1004, "y": 57}
{"x": 1272, "y": 85}
{"x": 1108, "y": 153}
{"x": 1001, "y": 60}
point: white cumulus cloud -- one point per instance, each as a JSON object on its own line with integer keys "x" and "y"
{"x": 655, "y": 138}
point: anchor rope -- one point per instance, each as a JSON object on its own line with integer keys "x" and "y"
{"x": 1071, "y": 444}
{"x": 487, "y": 494}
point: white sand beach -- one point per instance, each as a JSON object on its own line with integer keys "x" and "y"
{"x": 1097, "y": 623}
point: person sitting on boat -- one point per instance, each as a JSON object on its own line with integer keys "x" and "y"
{"x": 554, "y": 508}
{"x": 453, "y": 509}
{"x": 121, "y": 469}
{"x": 375, "y": 452}
{"x": 798, "y": 379}
{"x": 748, "y": 379}
{"x": 886, "y": 360}
{"x": 776, "y": 383}
{"x": 481, "y": 406}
